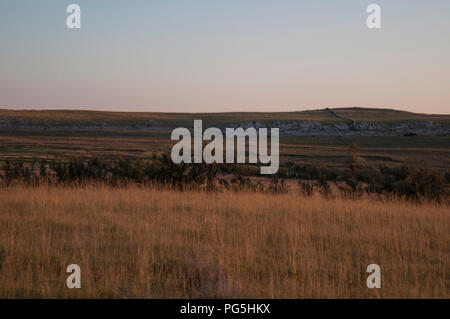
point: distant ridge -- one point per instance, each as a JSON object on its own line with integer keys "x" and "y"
{"x": 327, "y": 121}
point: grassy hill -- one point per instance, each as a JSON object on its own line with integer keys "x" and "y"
{"x": 93, "y": 118}
{"x": 30, "y": 139}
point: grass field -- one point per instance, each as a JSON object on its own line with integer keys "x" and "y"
{"x": 425, "y": 151}
{"x": 141, "y": 242}
{"x": 148, "y": 243}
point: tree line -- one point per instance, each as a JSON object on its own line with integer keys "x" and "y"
{"x": 353, "y": 181}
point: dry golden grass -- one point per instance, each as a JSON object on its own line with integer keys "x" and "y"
{"x": 149, "y": 243}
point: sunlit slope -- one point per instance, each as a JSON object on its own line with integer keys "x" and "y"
{"x": 99, "y": 118}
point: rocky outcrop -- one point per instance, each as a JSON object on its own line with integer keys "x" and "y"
{"x": 43, "y": 125}
{"x": 315, "y": 128}
{"x": 287, "y": 127}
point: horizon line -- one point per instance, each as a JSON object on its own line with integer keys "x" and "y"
{"x": 83, "y": 109}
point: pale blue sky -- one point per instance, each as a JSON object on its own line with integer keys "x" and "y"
{"x": 234, "y": 55}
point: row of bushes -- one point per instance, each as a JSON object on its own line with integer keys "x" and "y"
{"x": 159, "y": 171}
{"x": 409, "y": 182}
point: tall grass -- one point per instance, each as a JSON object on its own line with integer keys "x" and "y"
{"x": 142, "y": 242}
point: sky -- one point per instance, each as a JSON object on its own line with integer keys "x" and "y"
{"x": 227, "y": 55}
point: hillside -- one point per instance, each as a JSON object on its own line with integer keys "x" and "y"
{"x": 350, "y": 121}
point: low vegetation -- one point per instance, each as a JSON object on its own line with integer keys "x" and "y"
{"x": 411, "y": 183}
